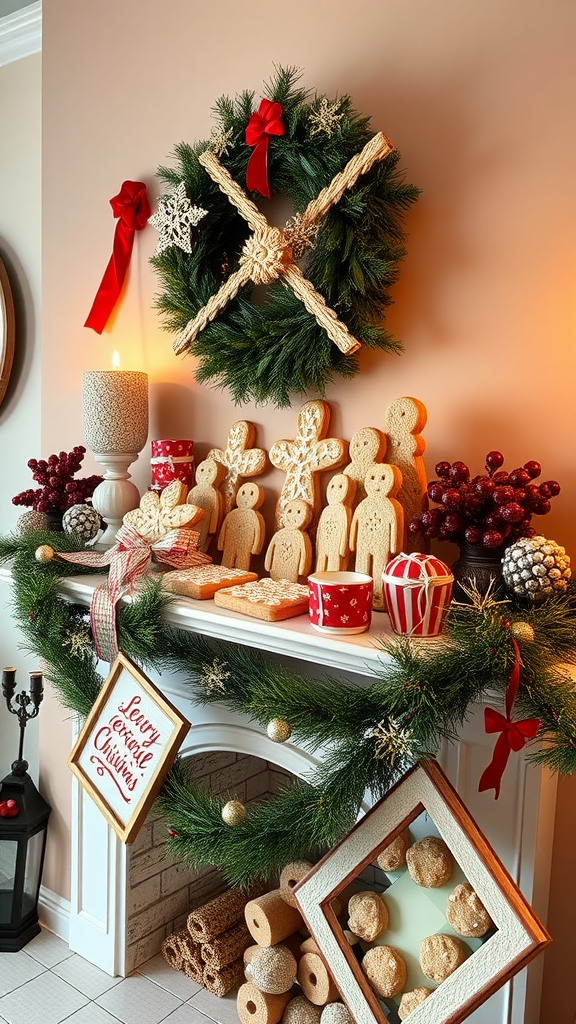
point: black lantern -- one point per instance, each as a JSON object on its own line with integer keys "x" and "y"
{"x": 23, "y": 823}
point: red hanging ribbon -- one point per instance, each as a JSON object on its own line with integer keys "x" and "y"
{"x": 266, "y": 121}
{"x": 129, "y": 561}
{"x": 513, "y": 735}
{"x": 132, "y": 208}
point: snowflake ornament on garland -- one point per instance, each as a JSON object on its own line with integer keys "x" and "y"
{"x": 349, "y": 199}
{"x": 79, "y": 643}
{"x": 174, "y": 219}
{"x": 214, "y": 677}
{"x": 392, "y": 741}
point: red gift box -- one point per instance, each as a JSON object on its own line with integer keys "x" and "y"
{"x": 417, "y": 590}
{"x": 172, "y": 460}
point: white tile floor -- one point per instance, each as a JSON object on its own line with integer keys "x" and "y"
{"x": 45, "y": 983}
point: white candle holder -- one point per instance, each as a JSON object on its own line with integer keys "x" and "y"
{"x": 115, "y": 410}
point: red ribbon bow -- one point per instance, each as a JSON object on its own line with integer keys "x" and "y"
{"x": 513, "y": 735}
{"x": 132, "y": 208}
{"x": 129, "y": 561}
{"x": 266, "y": 121}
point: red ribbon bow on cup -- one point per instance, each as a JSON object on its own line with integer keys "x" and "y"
{"x": 129, "y": 561}
{"x": 132, "y": 208}
{"x": 266, "y": 121}
{"x": 513, "y": 735}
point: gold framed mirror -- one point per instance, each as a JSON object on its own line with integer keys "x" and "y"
{"x": 7, "y": 330}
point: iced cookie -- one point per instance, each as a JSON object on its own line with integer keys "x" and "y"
{"x": 367, "y": 915}
{"x": 393, "y": 856}
{"x": 466, "y": 913}
{"x": 430, "y": 862}
{"x": 385, "y": 970}
{"x": 410, "y": 1000}
{"x": 440, "y": 955}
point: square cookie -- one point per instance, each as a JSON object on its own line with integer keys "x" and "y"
{"x": 267, "y": 599}
{"x": 202, "y": 581}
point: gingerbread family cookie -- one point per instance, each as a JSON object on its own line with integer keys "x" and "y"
{"x": 404, "y": 421}
{"x": 265, "y": 599}
{"x": 332, "y": 535}
{"x": 289, "y": 554}
{"x": 243, "y": 530}
{"x": 202, "y": 582}
{"x": 377, "y": 526}
{"x": 367, "y": 449}
{"x": 207, "y": 496}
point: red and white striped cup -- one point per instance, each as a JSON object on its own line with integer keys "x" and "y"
{"x": 172, "y": 460}
{"x": 340, "y": 602}
{"x": 417, "y": 590}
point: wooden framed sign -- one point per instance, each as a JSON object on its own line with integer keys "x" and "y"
{"x": 425, "y": 963}
{"x": 126, "y": 747}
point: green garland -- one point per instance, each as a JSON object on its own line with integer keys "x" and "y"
{"x": 266, "y": 351}
{"x": 371, "y": 734}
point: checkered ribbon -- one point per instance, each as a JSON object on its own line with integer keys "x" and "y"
{"x": 129, "y": 561}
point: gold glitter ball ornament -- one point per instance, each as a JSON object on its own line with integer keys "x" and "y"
{"x": 522, "y": 631}
{"x": 44, "y": 553}
{"x": 233, "y": 812}
{"x": 278, "y": 730}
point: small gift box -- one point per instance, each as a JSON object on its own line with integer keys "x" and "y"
{"x": 417, "y": 589}
{"x": 172, "y": 460}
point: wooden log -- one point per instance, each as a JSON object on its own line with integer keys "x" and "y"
{"x": 220, "y": 982}
{"x": 226, "y": 947}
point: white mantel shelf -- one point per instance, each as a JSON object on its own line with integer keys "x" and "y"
{"x": 361, "y": 654}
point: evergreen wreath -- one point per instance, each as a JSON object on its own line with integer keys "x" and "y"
{"x": 267, "y": 348}
{"x": 371, "y": 734}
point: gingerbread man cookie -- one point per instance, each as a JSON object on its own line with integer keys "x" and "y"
{"x": 367, "y": 448}
{"x": 239, "y": 459}
{"x": 332, "y": 548}
{"x": 207, "y": 496}
{"x": 377, "y": 526}
{"x": 156, "y": 516}
{"x": 304, "y": 457}
{"x": 405, "y": 419}
{"x": 243, "y": 530}
{"x": 289, "y": 553}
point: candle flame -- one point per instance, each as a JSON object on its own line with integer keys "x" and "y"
{"x": 115, "y": 360}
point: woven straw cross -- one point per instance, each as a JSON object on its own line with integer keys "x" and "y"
{"x": 268, "y": 252}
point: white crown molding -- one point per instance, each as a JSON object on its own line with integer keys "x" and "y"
{"x": 21, "y": 33}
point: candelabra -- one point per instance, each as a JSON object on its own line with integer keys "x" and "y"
{"x": 19, "y": 705}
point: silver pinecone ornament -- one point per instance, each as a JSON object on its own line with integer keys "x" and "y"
{"x": 81, "y": 520}
{"x": 536, "y": 568}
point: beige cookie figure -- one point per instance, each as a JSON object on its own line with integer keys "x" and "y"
{"x": 243, "y": 530}
{"x": 158, "y": 515}
{"x": 305, "y": 456}
{"x": 367, "y": 449}
{"x": 332, "y": 550}
{"x": 239, "y": 459}
{"x": 289, "y": 553}
{"x": 404, "y": 421}
{"x": 377, "y": 526}
{"x": 206, "y": 495}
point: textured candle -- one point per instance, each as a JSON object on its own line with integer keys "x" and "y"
{"x": 115, "y": 407}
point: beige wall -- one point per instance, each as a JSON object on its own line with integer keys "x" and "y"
{"x": 479, "y": 99}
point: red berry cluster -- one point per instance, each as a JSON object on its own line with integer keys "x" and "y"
{"x": 486, "y": 510}
{"x": 58, "y": 490}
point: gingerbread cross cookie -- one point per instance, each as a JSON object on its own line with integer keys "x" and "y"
{"x": 239, "y": 459}
{"x": 303, "y": 458}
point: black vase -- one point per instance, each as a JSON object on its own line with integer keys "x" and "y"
{"x": 478, "y": 566}
{"x": 54, "y": 517}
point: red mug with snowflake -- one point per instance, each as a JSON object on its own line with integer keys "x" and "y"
{"x": 340, "y": 602}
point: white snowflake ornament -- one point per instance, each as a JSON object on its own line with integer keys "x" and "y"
{"x": 174, "y": 219}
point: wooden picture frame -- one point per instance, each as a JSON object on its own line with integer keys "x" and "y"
{"x": 518, "y": 934}
{"x": 126, "y": 746}
{"x": 7, "y": 330}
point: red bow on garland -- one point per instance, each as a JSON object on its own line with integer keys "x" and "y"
{"x": 133, "y": 209}
{"x": 266, "y": 121}
{"x": 513, "y": 735}
{"x": 129, "y": 561}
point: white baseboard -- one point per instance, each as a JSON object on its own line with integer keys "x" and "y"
{"x": 54, "y": 913}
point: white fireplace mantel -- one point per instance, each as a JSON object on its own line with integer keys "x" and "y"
{"x": 519, "y": 825}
